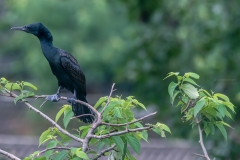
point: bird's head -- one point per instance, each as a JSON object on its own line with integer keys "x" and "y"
{"x": 37, "y": 29}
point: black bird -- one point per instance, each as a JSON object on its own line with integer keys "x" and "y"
{"x": 66, "y": 69}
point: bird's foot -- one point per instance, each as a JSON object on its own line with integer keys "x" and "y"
{"x": 71, "y": 100}
{"x": 53, "y": 98}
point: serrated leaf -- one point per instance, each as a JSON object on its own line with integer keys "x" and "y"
{"x": 29, "y": 85}
{"x": 100, "y": 101}
{"x": 68, "y": 113}
{"x": 13, "y": 86}
{"x": 221, "y": 109}
{"x": 190, "y": 90}
{"x": 134, "y": 143}
{"x": 81, "y": 154}
{"x": 174, "y": 96}
{"x": 119, "y": 142}
{"x": 44, "y": 136}
{"x": 110, "y": 106}
{"x": 191, "y": 81}
{"x": 230, "y": 106}
{"x": 61, "y": 155}
{"x": 222, "y": 96}
{"x": 165, "y": 127}
{"x": 222, "y": 129}
{"x": 18, "y": 98}
{"x": 60, "y": 112}
{"x": 171, "y": 74}
{"x": 171, "y": 88}
{"x": 118, "y": 112}
{"x": 224, "y": 123}
{"x": 199, "y": 105}
{"x": 193, "y": 75}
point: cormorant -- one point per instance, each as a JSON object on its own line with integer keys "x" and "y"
{"x": 66, "y": 69}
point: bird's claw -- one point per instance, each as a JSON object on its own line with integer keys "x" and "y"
{"x": 53, "y": 98}
{"x": 71, "y": 100}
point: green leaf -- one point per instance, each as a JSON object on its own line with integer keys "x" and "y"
{"x": 100, "y": 101}
{"x": 221, "y": 109}
{"x": 110, "y": 106}
{"x": 29, "y": 85}
{"x": 165, "y": 127}
{"x": 134, "y": 143}
{"x": 61, "y": 112}
{"x": 191, "y": 81}
{"x": 229, "y": 105}
{"x": 51, "y": 144}
{"x": 222, "y": 96}
{"x": 68, "y": 113}
{"x": 44, "y": 136}
{"x": 190, "y": 90}
{"x": 13, "y": 86}
{"x": 118, "y": 112}
{"x": 139, "y": 104}
{"x": 193, "y": 75}
{"x": 18, "y": 98}
{"x": 199, "y": 105}
{"x": 224, "y": 123}
{"x": 81, "y": 154}
{"x": 119, "y": 142}
{"x": 171, "y": 74}
{"x": 207, "y": 130}
{"x": 124, "y": 150}
{"x": 212, "y": 128}
{"x": 174, "y": 96}
{"x": 61, "y": 155}
{"x": 145, "y": 135}
{"x": 100, "y": 145}
{"x": 171, "y": 88}
{"x": 222, "y": 129}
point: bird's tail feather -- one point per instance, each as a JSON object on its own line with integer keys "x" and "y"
{"x": 80, "y": 109}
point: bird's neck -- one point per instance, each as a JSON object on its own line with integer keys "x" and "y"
{"x": 48, "y": 49}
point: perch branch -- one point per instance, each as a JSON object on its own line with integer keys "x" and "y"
{"x": 104, "y": 151}
{"x": 201, "y": 140}
{"x": 9, "y": 155}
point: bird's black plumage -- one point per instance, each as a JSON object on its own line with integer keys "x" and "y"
{"x": 66, "y": 69}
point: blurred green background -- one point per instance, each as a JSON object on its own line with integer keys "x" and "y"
{"x": 135, "y": 44}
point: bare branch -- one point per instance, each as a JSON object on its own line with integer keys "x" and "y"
{"x": 9, "y": 155}
{"x": 199, "y": 155}
{"x": 47, "y": 149}
{"x": 112, "y": 90}
{"x": 121, "y": 132}
{"x": 83, "y": 116}
{"x": 104, "y": 151}
{"x": 201, "y": 140}
{"x": 49, "y": 119}
{"x": 125, "y": 124}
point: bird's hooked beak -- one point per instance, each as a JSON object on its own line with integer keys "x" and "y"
{"x": 19, "y": 28}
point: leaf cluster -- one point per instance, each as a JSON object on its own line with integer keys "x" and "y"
{"x": 210, "y": 108}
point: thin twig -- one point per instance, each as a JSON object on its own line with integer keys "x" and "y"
{"x": 9, "y": 155}
{"x": 121, "y": 132}
{"x": 43, "y": 103}
{"x": 201, "y": 140}
{"x": 47, "y": 149}
{"x": 49, "y": 119}
{"x": 83, "y": 116}
{"x": 199, "y": 155}
{"x": 112, "y": 90}
{"x": 104, "y": 151}
{"x": 125, "y": 124}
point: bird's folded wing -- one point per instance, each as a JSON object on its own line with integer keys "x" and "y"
{"x": 72, "y": 68}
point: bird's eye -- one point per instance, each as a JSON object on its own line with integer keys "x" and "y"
{"x": 27, "y": 27}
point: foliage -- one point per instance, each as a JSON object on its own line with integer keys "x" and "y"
{"x": 116, "y": 127}
{"x": 194, "y": 101}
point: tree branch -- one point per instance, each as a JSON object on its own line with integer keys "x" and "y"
{"x": 121, "y": 132}
{"x": 9, "y": 155}
{"x": 104, "y": 151}
{"x": 112, "y": 90}
{"x": 125, "y": 124}
{"x": 201, "y": 141}
{"x": 48, "y": 119}
{"x": 47, "y": 149}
